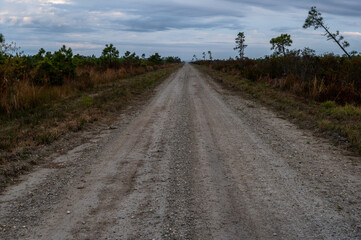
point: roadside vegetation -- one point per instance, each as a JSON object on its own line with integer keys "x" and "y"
{"x": 323, "y": 91}
{"x": 29, "y": 81}
{"x": 49, "y": 96}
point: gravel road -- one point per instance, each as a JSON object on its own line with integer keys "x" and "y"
{"x": 195, "y": 162}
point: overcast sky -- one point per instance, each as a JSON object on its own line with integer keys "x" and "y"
{"x": 174, "y": 27}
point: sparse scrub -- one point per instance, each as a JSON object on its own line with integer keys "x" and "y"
{"x": 321, "y": 78}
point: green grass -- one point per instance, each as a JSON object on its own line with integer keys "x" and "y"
{"x": 86, "y": 100}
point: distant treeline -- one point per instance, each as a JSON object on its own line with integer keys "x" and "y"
{"x": 324, "y": 78}
{"x": 25, "y": 78}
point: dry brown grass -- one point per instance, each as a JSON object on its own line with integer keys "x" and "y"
{"x": 316, "y": 90}
{"x": 25, "y": 95}
{"x": 22, "y": 95}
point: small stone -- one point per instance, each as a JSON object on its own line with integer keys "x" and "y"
{"x": 274, "y": 234}
{"x": 68, "y": 212}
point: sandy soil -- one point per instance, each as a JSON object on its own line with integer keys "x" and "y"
{"x": 196, "y": 162}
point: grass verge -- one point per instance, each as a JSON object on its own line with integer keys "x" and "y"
{"x": 340, "y": 122}
{"x": 24, "y": 133}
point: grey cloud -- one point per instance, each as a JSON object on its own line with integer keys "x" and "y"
{"x": 152, "y": 23}
{"x": 161, "y": 17}
{"x": 336, "y": 7}
{"x": 44, "y": 27}
{"x": 170, "y": 8}
{"x": 156, "y": 16}
{"x": 282, "y": 29}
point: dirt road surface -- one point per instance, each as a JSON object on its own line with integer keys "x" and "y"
{"x": 196, "y": 162}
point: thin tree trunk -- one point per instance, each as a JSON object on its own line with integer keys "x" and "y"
{"x": 334, "y": 39}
